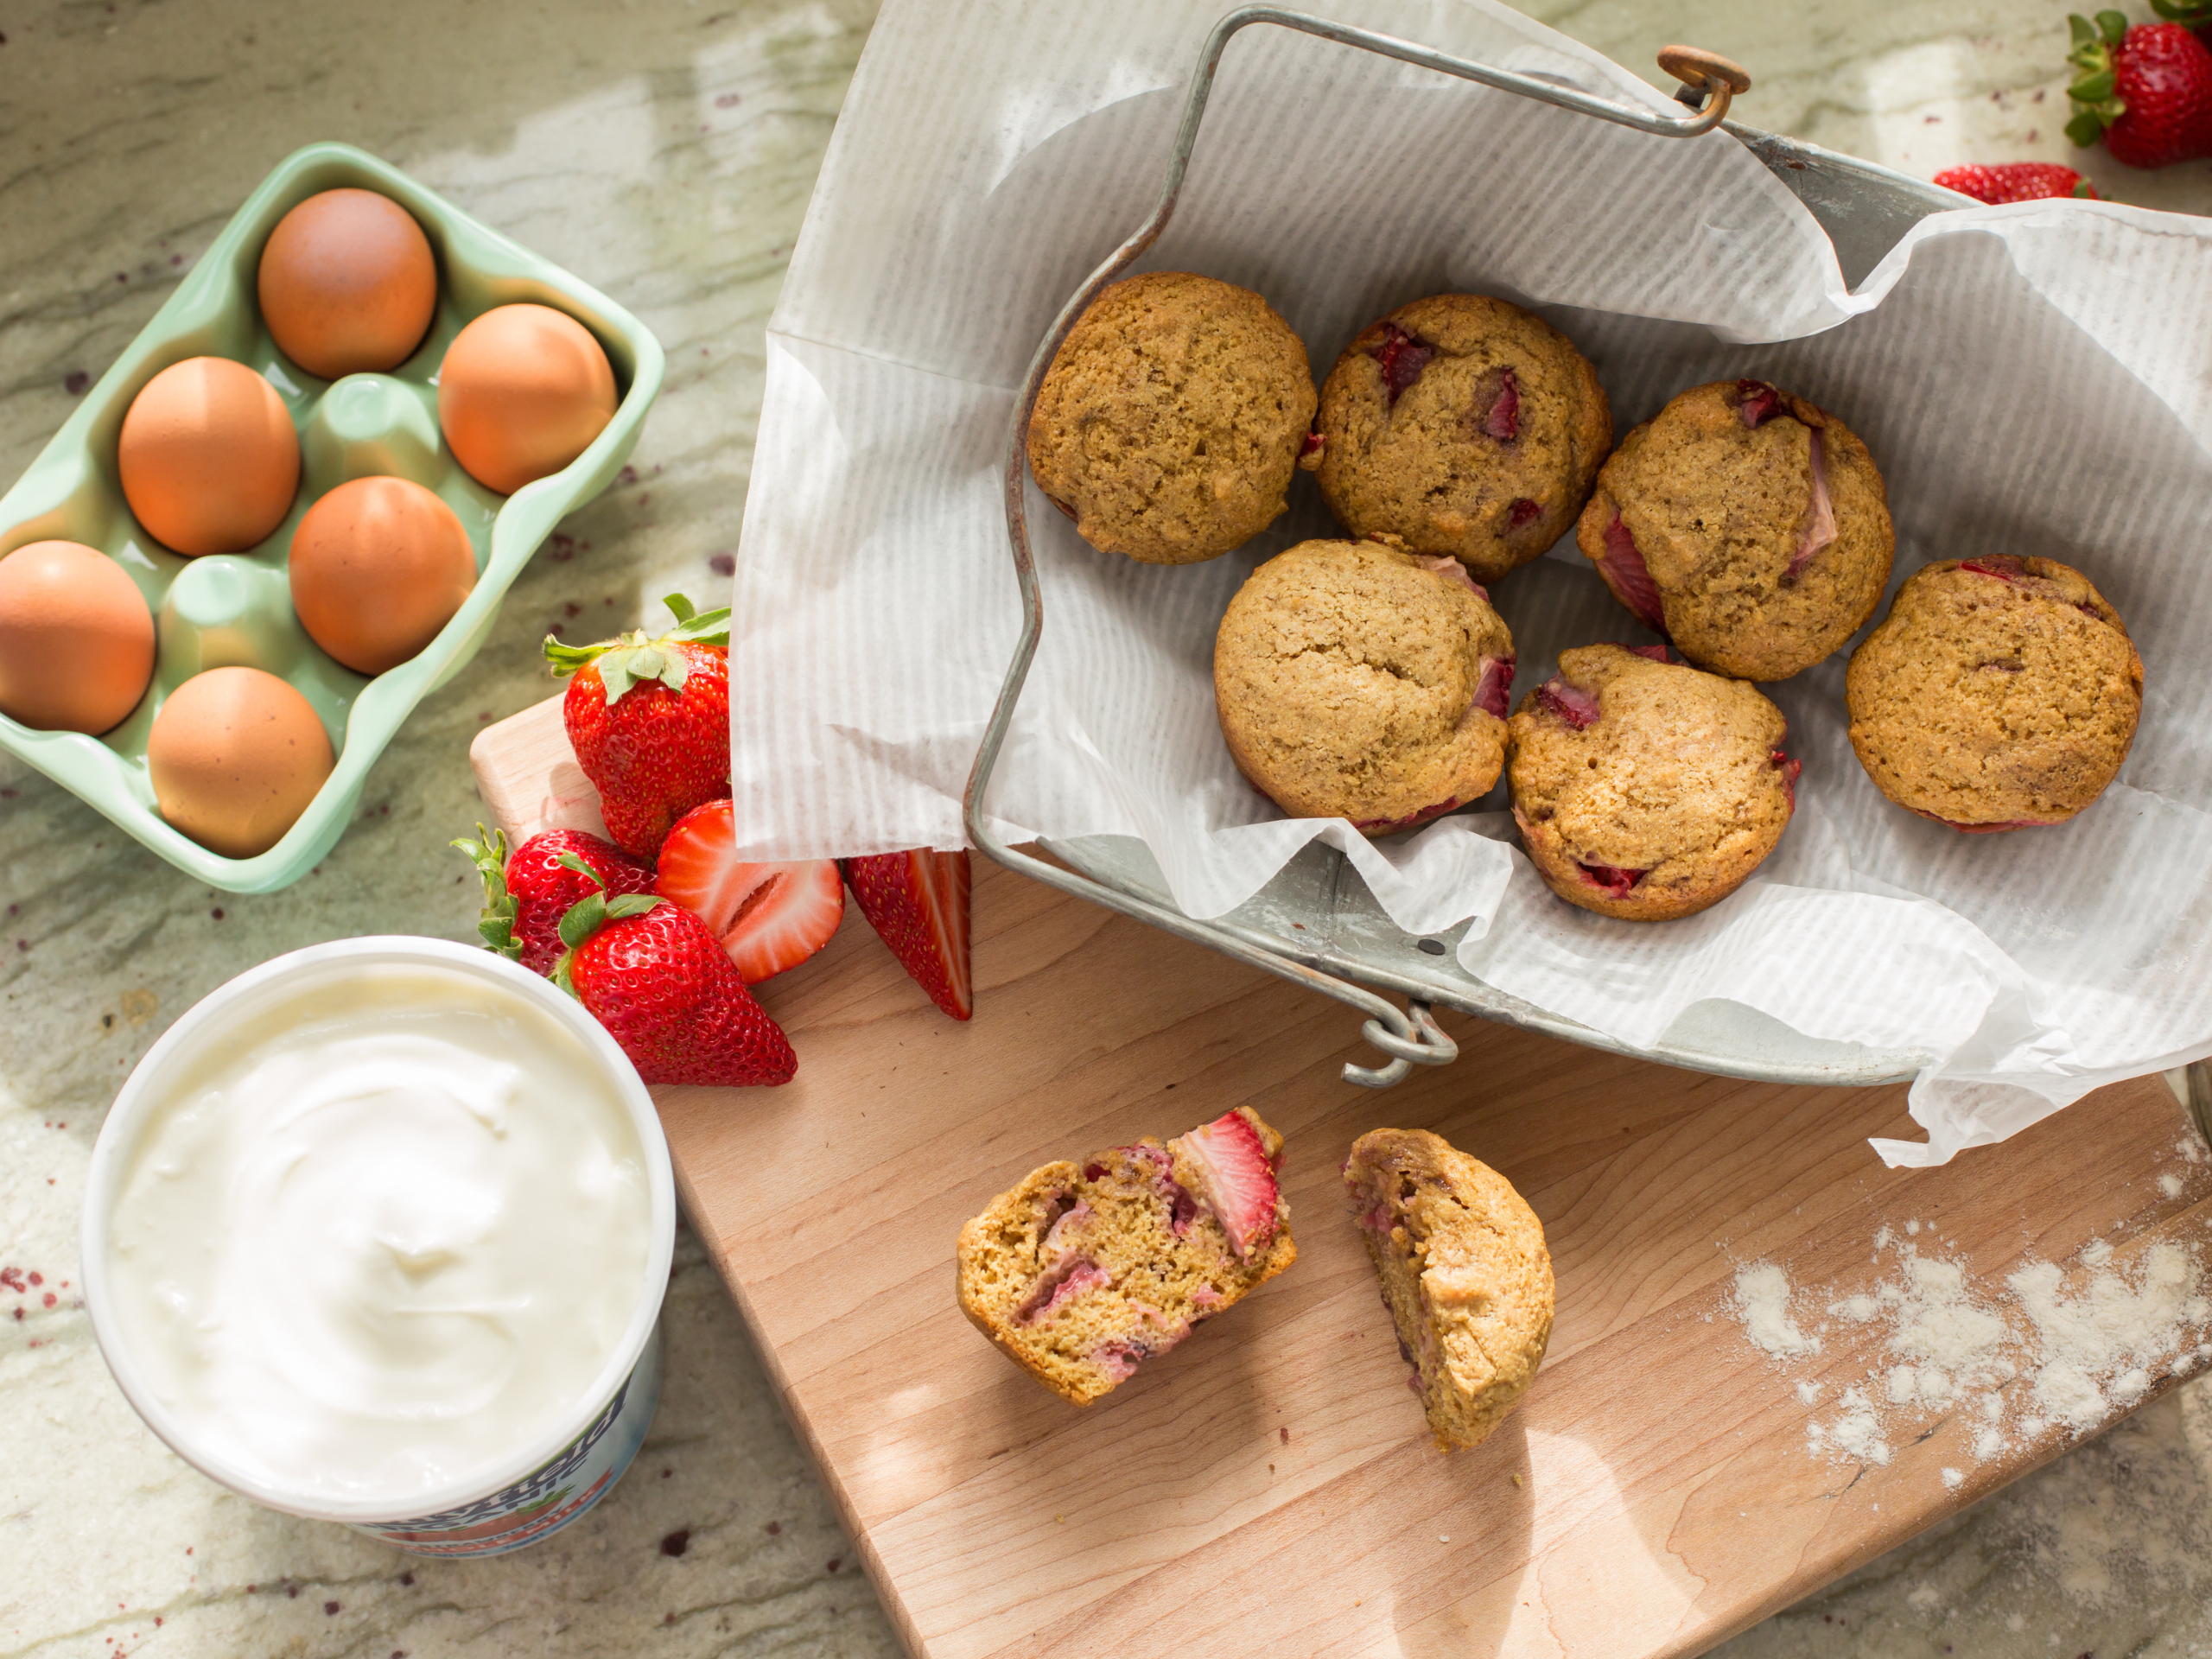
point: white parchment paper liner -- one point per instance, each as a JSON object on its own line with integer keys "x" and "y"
{"x": 2033, "y": 379}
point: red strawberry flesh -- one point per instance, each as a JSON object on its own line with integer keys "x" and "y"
{"x": 1791, "y": 768}
{"x": 916, "y": 902}
{"x": 1494, "y": 688}
{"x": 1451, "y": 570}
{"x": 1311, "y": 445}
{"x": 1402, "y": 359}
{"x": 770, "y": 916}
{"x": 1501, "y": 416}
{"x": 2003, "y": 566}
{"x": 1757, "y": 403}
{"x": 1569, "y": 701}
{"x": 1656, "y": 654}
{"x": 1236, "y": 1182}
{"x": 1391, "y": 826}
{"x": 1614, "y": 880}
{"x": 1818, "y": 532}
{"x": 1630, "y": 578}
{"x": 1521, "y": 511}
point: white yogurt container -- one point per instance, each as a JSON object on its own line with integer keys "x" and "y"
{"x": 378, "y": 1233}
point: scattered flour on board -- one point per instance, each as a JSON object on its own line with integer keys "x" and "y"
{"x": 2049, "y": 1348}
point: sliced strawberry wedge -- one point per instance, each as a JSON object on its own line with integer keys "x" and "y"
{"x": 1630, "y": 578}
{"x": 918, "y": 904}
{"x": 1236, "y": 1179}
{"x": 769, "y": 917}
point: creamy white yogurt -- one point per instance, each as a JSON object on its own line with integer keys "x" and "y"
{"x": 379, "y": 1236}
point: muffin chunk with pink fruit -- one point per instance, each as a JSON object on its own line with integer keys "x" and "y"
{"x": 1084, "y": 1271}
{"x": 1359, "y": 681}
{"x": 1462, "y": 426}
{"x": 1645, "y": 789}
{"x": 1746, "y": 525}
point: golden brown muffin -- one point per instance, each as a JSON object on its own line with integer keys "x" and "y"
{"x": 1461, "y": 425}
{"x": 1464, "y": 1271}
{"x": 1645, "y": 789}
{"x": 1354, "y": 680}
{"x": 1748, "y": 526}
{"x": 1998, "y": 693}
{"x": 1083, "y": 1272}
{"x": 1170, "y": 422}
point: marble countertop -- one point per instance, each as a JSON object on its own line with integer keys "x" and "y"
{"x": 664, "y": 149}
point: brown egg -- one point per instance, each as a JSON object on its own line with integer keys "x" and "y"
{"x": 378, "y": 566}
{"x": 347, "y": 284}
{"x": 209, "y": 459}
{"x": 76, "y": 638}
{"x": 521, "y": 392}
{"x": 236, "y": 755}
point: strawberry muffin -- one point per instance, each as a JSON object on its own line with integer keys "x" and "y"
{"x": 1171, "y": 420}
{"x": 1462, "y": 426}
{"x": 1084, "y": 1271}
{"x": 1357, "y": 681}
{"x": 1646, "y": 790}
{"x": 1464, "y": 1271}
{"x": 1999, "y": 693}
{"x": 1749, "y": 527}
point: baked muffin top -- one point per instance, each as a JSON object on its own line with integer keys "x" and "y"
{"x": 1749, "y": 526}
{"x": 1356, "y": 680}
{"x": 1998, "y": 693}
{"x": 1170, "y": 422}
{"x": 1645, "y": 789}
{"x": 1462, "y": 425}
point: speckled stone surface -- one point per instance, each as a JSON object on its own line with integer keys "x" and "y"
{"x": 665, "y": 151}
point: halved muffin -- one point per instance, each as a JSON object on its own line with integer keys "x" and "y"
{"x": 1084, "y": 1271}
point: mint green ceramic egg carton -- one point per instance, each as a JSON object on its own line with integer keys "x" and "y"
{"x": 225, "y": 609}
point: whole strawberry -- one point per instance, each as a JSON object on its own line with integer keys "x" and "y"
{"x": 649, "y": 720}
{"x": 2017, "y": 181}
{"x": 526, "y": 896}
{"x": 660, "y": 982}
{"x": 2145, "y": 90}
{"x": 916, "y": 902}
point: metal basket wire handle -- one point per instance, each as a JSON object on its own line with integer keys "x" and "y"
{"x": 1410, "y": 1037}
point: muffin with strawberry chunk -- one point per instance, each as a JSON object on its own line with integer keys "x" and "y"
{"x": 1171, "y": 420}
{"x": 1084, "y": 1271}
{"x": 1999, "y": 693}
{"x": 1462, "y": 426}
{"x": 1645, "y": 789}
{"x": 1465, "y": 1274}
{"x": 1746, "y": 525}
{"x": 1359, "y": 681}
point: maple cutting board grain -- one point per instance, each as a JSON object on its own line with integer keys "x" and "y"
{"x": 1268, "y": 1487}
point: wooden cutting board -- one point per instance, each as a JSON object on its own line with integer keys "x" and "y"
{"x": 1268, "y": 1488}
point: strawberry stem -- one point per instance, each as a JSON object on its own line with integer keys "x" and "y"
{"x": 629, "y": 658}
{"x": 497, "y": 923}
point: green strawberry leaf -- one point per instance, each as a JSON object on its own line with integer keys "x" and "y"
{"x": 2083, "y": 30}
{"x": 633, "y": 904}
{"x": 496, "y": 926}
{"x": 2093, "y": 89}
{"x": 2084, "y": 190}
{"x": 698, "y": 627}
{"x": 582, "y": 920}
{"x": 2113, "y": 24}
{"x": 2085, "y": 129}
{"x": 570, "y": 861}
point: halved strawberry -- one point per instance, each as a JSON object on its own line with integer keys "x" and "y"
{"x": 1236, "y": 1179}
{"x": 769, "y": 917}
{"x": 918, "y": 904}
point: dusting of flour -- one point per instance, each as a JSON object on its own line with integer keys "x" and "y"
{"x": 2048, "y": 1348}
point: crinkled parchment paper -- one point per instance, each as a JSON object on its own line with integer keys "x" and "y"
{"x": 2034, "y": 379}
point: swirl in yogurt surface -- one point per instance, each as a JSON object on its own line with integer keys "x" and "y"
{"x": 380, "y": 1237}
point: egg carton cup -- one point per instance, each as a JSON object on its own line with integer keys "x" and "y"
{"x": 233, "y": 609}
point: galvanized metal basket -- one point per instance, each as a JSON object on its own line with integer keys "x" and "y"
{"x": 1315, "y": 924}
